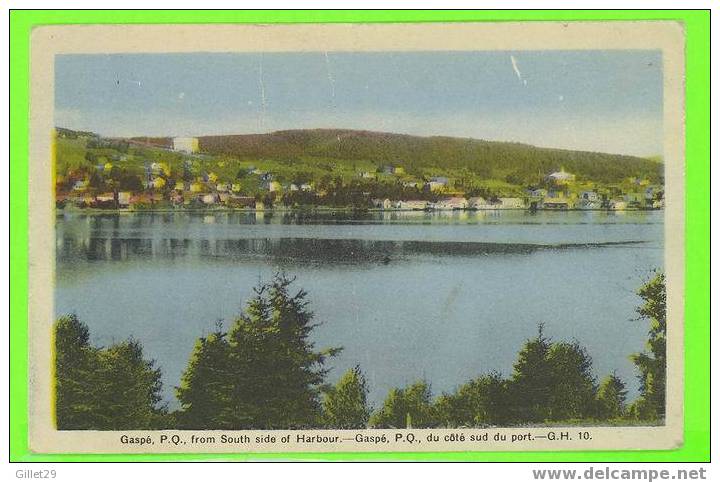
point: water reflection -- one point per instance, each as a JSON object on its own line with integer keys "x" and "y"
{"x": 350, "y": 251}
{"x": 368, "y": 217}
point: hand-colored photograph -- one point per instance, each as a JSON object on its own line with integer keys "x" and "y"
{"x": 353, "y": 240}
{"x": 378, "y": 247}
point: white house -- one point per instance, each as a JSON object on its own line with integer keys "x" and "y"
{"x": 555, "y": 203}
{"x": 452, "y": 203}
{"x": 617, "y": 205}
{"x": 209, "y": 198}
{"x": 186, "y": 144}
{"x": 511, "y": 203}
{"x": 589, "y": 200}
{"x": 589, "y": 205}
{"x": 418, "y": 205}
{"x": 124, "y": 198}
{"x": 561, "y": 177}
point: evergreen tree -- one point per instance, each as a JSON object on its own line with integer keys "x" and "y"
{"x": 611, "y": 398}
{"x": 345, "y": 405}
{"x": 205, "y": 391}
{"x": 552, "y": 381}
{"x": 406, "y": 407}
{"x": 130, "y": 388}
{"x": 112, "y": 388}
{"x": 75, "y": 387}
{"x": 531, "y": 383}
{"x": 274, "y": 376}
{"x": 277, "y": 372}
{"x": 250, "y": 358}
{"x": 572, "y": 388}
{"x": 482, "y": 401}
{"x": 652, "y": 364}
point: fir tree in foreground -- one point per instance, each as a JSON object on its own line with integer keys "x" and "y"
{"x": 572, "y": 385}
{"x": 530, "y": 386}
{"x": 551, "y": 381}
{"x": 130, "y": 388}
{"x": 345, "y": 405}
{"x": 75, "y": 396}
{"x": 205, "y": 391}
{"x": 264, "y": 373}
{"x": 113, "y": 388}
{"x": 611, "y": 398}
{"x": 652, "y": 364}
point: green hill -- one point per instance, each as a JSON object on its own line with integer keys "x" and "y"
{"x": 512, "y": 162}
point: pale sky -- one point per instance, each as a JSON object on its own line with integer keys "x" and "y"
{"x": 608, "y": 101}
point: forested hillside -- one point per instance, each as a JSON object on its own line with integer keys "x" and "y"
{"x": 512, "y": 162}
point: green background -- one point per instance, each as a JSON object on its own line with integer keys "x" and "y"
{"x": 697, "y": 298}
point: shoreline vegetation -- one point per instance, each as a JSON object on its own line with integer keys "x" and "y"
{"x": 264, "y": 372}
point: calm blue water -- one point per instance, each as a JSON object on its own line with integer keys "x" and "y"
{"x": 443, "y": 296}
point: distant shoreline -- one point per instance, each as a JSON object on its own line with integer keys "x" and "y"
{"x": 320, "y": 209}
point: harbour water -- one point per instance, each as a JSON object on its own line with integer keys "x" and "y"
{"x": 443, "y": 296}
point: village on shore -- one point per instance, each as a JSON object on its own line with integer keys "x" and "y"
{"x": 158, "y": 189}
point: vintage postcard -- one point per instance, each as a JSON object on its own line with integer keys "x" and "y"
{"x": 356, "y": 237}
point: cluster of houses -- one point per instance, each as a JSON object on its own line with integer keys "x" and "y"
{"x": 559, "y": 196}
{"x": 587, "y": 200}
{"x": 451, "y": 203}
{"x": 176, "y": 198}
{"x": 434, "y": 184}
{"x": 559, "y": 192}
{"x": 159, "y": 189}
